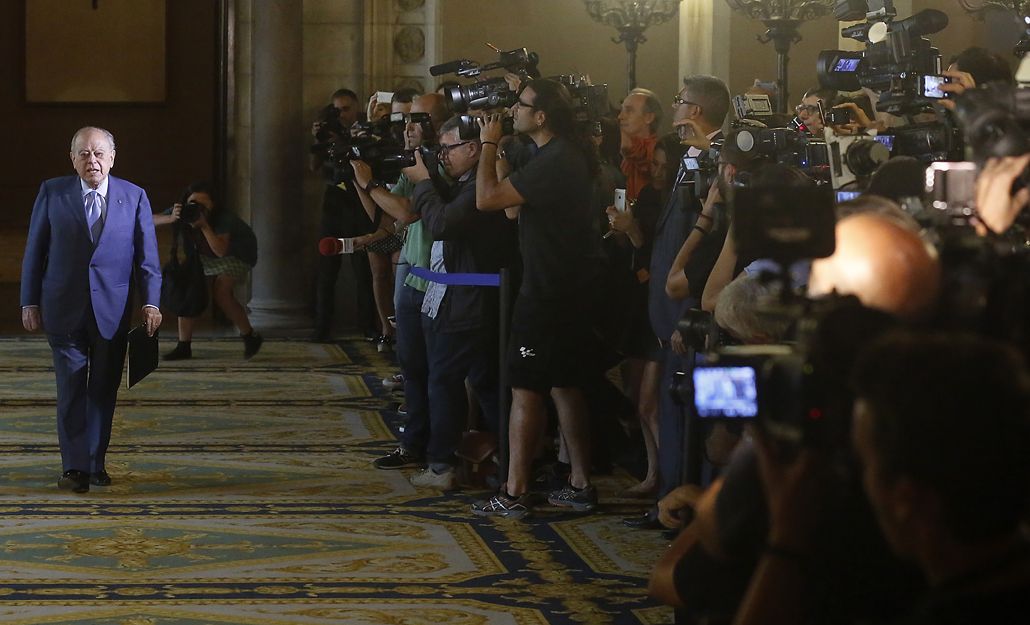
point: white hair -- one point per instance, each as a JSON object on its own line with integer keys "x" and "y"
{"x": 85, "y": 129}
{"x": 739, "y": 311}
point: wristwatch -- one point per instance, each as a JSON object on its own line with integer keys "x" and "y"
{"x": 374, "y": 184}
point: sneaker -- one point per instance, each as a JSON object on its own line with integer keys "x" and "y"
{"x": 432, "y": 479}
{"x": 394, "y": 382}
{"x": 503, "y": 505}
{"x": 384, "y": 344}
{"x": 579, "y": 499}
{"x": 399, "y": 459}
{"x": 182, "y": 351}
{"x": 251, "y": 344}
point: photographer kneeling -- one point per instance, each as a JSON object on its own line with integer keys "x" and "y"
{"x": 227, "y": 249}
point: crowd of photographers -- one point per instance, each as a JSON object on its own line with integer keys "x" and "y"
{"x": 819, "y": 320}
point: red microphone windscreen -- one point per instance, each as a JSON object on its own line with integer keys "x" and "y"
{"x": 330, "y": 246}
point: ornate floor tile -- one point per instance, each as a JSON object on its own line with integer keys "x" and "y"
{"x": 244, "y": 494}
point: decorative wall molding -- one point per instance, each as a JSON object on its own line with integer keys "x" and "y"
{"x": 400, "y": 43}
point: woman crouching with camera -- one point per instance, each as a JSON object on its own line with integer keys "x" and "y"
{"x": 227, "y": 248}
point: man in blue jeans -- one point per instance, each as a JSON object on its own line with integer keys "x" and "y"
{"x": 410, "y": 339}
{"x": 459, "y": 321}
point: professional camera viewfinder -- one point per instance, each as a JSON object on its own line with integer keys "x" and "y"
{"x": 784, "y": 224}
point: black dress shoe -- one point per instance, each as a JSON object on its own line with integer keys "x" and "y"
{"x": 75, "y": 481}
{"x": 645, "y": 521}
{"x": 100, "y": 478}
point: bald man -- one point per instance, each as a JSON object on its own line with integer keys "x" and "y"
{"x": 883, "y": 263}
{"x": 881, "y": 259}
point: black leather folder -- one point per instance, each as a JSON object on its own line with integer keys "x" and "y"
{"x": 142, "y": 355}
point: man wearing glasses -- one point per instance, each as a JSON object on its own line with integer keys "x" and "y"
{"x": 551, "y": 346}
{"x": 460, "y": 321}
{"x": 808, "y": 110}
{"x": 700, "y": 109}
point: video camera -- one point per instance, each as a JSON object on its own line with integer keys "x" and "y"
{"x": 589, "y": 102}
{"x": 329, "y": 124}
{"x": 898, "y": 62}
{"x": 995, "y": 120}
{"x": 381, "y": 144}
{"x": 700, "y": 171}
{"x": 490, "y": 92}
{"x": 753, "y": 106}
{"x": 775, "y": 386}
{"x": 789, "y": 147}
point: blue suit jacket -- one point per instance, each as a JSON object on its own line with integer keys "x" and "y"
{"x": 63, "y": 272}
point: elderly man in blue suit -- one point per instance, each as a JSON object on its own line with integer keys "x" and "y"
{"x": 90, "y": 235}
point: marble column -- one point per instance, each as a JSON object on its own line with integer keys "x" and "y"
{"x": 705, "y": 39}
{"x": 277, "y": 159}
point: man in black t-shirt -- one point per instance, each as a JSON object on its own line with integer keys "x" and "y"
{"x": 551, "y": 343}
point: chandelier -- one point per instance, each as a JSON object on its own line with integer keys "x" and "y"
{"x": 631, "y": 18}
{"x": 800, "y": 10}
{"x": 782, "y": 18}
{"x": 1021, "y": 8}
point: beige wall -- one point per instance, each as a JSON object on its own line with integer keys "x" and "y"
{"x": 751, "y": 59}
{"x": 566, "y": 39}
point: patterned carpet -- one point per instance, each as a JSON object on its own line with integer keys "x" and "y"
{"x": 243, "y": 494}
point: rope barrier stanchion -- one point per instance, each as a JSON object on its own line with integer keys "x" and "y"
{"x": 504, "y": 393}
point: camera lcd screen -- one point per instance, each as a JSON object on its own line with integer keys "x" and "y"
{"x": 726, "y": 392}
{"x": 932, "y": 87}
{"x": 886, "y": 140}
{"x": 847, "y": 65}
{"x": 690, "y": 164}
{"x": 845, "y": 196}
{"x": 760, "y": 104}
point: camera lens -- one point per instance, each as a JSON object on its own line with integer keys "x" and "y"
{"x": 865, "y": 156}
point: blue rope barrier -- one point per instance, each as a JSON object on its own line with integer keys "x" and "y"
{"x": 458, "y": 279}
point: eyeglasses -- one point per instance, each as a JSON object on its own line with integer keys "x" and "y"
{"x": 806, "y": 108}
{"x": 446, "y": 149}
{"x": 678, "y": 102}
{"x": 520, "y": 103}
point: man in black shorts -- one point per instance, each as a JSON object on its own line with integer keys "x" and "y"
{"x": 551, "y": 345}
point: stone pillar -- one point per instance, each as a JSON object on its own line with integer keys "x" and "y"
{"x": 705, "y": 39}
{"x": 277, "y": 159}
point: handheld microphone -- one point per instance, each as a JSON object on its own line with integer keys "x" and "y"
{"x": 330, "y": 246}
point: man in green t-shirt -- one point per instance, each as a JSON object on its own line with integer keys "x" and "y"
{"x": 411, "y": 339}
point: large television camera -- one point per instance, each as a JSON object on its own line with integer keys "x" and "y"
{"x": 381, "y": 144}
{"x": 899, "y": 62}
{"x": 489, "y": 92}
{"x": 775, "y": 386}
{"x": 589, "y": 101}
{"x": 787, "y": 146}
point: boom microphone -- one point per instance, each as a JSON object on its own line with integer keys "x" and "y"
{"x": 330, "y": 246}
{"x": 926, "y": 22}
{"x": 451, "y": 67}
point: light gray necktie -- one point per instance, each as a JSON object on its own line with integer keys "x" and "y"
{"x": 93, "y": 201}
